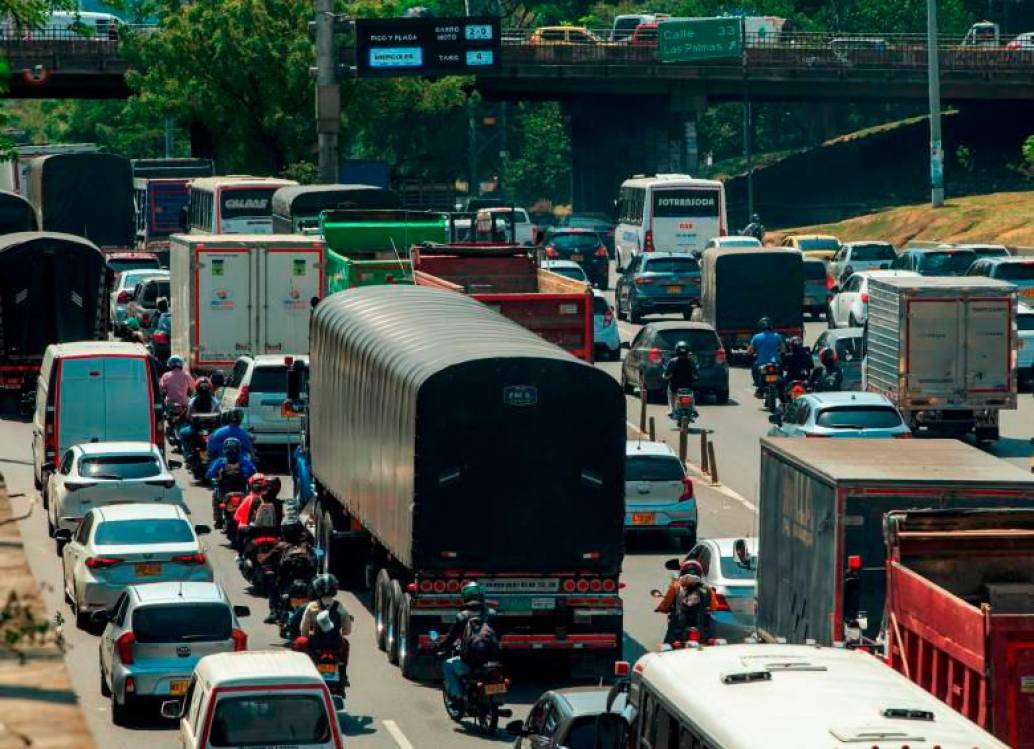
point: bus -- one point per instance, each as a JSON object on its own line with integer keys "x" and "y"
{"x": 667, "y": 213}
{"x": 801, "y": 696}
{"x": 232, "y": 205}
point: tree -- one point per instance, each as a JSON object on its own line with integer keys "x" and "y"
{"x": 540, "y": 166}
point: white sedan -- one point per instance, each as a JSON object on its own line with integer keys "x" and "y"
{"x": 125, "y": 284}
{"x": 125, "y": 545}
{"x": 97, "y": 474}
{"x": 849, "y": 307}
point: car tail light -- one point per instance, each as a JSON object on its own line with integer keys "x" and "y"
{"x": 904, "y": 436}
{"x": 198, "y": 558}
{"x": 601, "y": 251}
{"x": 568, "y": 586}
{"x": 551, "y": 252}
{"x": 687, "y": 489}
{"x": 865, "y": 298}
{"x": 693, "y": 635}
{"x": 426, "y": 586}
{"x": 830, "y": 283}
{"x": 610, "y": 586}
{"x": 130, "y": 685}
{"x": 161, "y": 337}
{"x": 240, "y": 640}
{"x": 97, "y": 563}
{"x": 76, "y": 485}
{"x": 123, "y": 297}
{"x": 608, "y": 317}
{"x": 718, "y": 601}
{"x": 124, "y": 646}
{"x": 621, "y": 668}
{"x": 643, "y": 280}
{"x": 648, "y": 241}
{"x": 242, "y": 396}
{"x": 655, "y": 356}
{"x": 1013, "y": 45}
{"x": 719, "y": 356}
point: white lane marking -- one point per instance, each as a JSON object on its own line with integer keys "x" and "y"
{"x": 396, "y": 733}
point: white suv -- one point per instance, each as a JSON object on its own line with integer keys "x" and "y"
{"x": 258, "y": 386}
{"x": 849, "y": 307}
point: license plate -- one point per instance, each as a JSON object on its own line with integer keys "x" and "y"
{"x": 296, "y": 602}
{"x": 1027, "y": 292}
{"x": 178, "y": 687}
{"x": 771, "y": 378}
{"x": 674, "y": 289}
{"x": 147, "y": 570}
{"x": 577, "y": 258}
{"x": 495, "y": 688}
{"x": 327, "y": 668}
{"x": 543, "y": 604}
{"x": 644, "y": 518}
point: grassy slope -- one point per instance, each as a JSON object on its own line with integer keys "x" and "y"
{"x": 1005, "y": 217}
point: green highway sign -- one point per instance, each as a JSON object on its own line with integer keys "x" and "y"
{"x": 700, "y": 39}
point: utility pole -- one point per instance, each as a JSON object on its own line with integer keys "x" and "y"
{"x": 474, "y": 189}
{"x": 934, "y": 85}
{"x": 748, "y": 154}
{"x": 328, "y": 95}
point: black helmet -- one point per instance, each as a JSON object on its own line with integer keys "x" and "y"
{"x": 232, "y": 449}
{"x": 795, "y": 343}
{"x": 293, "y": 531}
{"x": 233, "y": 416}
{"x": 324, "y": 585}
{"x": 472, "y": 591}
{"x": 765, "y": 323}
{"x": 681, "y": 348}
{"x": 828, "y": 356}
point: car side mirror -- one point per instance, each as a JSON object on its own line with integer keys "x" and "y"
{"x": 63, "y": 535}
{"x": 515, "y": 728}
{"x": 776, "y": 419}
{"x": 241, "y": 611}
{"x": 739, "y": 551}
{"x": 172, "y": 709}
{"x": 673, "y": 565}
{"x": 100, "y": 618}
{"x": 202, "y": 530}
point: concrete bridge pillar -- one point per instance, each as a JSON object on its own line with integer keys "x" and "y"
{"x": 612, "y": 139}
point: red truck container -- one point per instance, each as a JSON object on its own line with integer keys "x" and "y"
{"x": 960, "y": 612}
{"x": 505, "y": 277}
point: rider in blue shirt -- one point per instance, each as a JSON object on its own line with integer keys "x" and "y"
{"x": 767, "y": 347}
{"x": 231, "y": 429}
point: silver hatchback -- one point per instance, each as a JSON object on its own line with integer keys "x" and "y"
{"x": 155, "y": 635}
{"x": 658, "y": 493}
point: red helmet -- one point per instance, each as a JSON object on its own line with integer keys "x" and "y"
{"x": 828, "y": 356}
{"x": 257, "y": 482}
{"x": 691, "y": 567}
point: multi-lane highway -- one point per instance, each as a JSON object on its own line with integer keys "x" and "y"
{"x": 384, "y": 711}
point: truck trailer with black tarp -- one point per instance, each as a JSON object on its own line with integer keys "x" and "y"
{"x": 443, "y": 450}
{"x": 822, "y": 556}
{"x": 16, "y": 213}
{"x": 86, "y": 194}
{"x": 52, "y": 290}
{"x": 297, "y": 209}
{"x": 740, "y": 286}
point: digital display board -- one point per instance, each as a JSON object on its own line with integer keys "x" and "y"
{"x": 426, "y": 46}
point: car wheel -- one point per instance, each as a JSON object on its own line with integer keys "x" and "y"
{"x": 105, "y": 691}
{"x": 50, "y": 526}
{"x": 82, "y": 619}
{"x": 380, "y": 608}
{"x": 45, "y": 494}
{"x": 721, "y": 397}
{"x": 617, "y": 308}
{"x": 391, "y": 642}
{"x": 121, "y": 712}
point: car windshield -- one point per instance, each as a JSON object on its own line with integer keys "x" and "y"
{"x": 653, "y": 468}
{"x": 182, "y": 622}
{"x": 270, "y": 720}
{"x": 129, "y": 280}
{"x": 698, "y": 340}
{"x": 991, "y": 251}
{"x": 814, "y": 271}
{"x": 818, "y": 244}
{"x": 576, "y": 273}
{"x": 1025, "y": 323}
{"x": 132, "y": 263}
{"x": 1016, "y": 271}
{"x": 269, "y": 379}
{"x": 957, "y": 261}
{"x": 858, "y": 417}
{"x": 119, "y": 467}
{"x": 872, "y": 252}
{"x": 575, "y": 241}
{"x": 733, "y": 570}
{"x": 143, "y": 532}
{"x": 671, "y": 265}
{"x": 849, "y": 349}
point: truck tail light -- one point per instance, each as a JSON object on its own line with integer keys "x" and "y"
{"x": 568, "y": 586}
{"x": 240, "y": 640}
{"x": 621, "y": 668}
{"x": 551, "y": 252}
{"x": 648, "y": 241}
{"x": 609, "y": 586}
{"x": 426, "y": 586}
{"x": 830, "y": 283}
{"x": 124, "y": 646}
{"x": 719, "y": 602}
{"x": 243, "y": 396}
{"x": 719, "y": 356}
{"x": 687, "y": 489}
{"x": 582, "y": 586}
{"x": 655, "y": 356}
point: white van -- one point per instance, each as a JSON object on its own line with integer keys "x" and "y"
{"x": 668, "y": 213}
{"x": 93, "y": 391}
{"x": 260, "y": 698}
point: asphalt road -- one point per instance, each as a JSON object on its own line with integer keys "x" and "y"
{"x": 384, "y": 711}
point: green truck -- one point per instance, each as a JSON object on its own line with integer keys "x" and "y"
{"x": 348, "y": 273}
{"x": 381, "y": 234}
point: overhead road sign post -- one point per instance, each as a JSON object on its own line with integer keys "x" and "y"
{"x": 700, "y": 39}
{"x": 387, "y": 47}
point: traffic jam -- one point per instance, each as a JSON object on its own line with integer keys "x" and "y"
{"x": 283, "y": 451}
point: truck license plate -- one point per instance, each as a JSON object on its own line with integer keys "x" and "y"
{"x": 543, "y": 604}
{"x": 644, "y": 518}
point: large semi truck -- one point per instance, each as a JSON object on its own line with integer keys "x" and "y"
{"x": 960, "y": 612}
{"x": 442, "y": 449}
{"x": 943, "y": 351}
{"x": 822, "y": 558}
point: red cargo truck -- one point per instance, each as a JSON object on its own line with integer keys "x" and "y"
{"x": 505, "y": 277}
{"x": 960, "y": 612}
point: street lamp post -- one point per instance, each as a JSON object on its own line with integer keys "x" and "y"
{"x": 934, "y": 84}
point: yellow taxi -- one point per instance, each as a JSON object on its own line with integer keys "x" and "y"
{"x": 563, "y": 36}
{"x": 821, "y": 246}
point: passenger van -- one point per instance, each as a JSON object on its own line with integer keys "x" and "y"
{"x": 260, "y": 698}
{"x": 232, "y": 205}
{"x": 93, "y": 391}
{"x": 668, "y": 213}
{"x": 801, "y": 696}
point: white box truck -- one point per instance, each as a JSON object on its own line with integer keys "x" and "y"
{"x": 236, "y": 294}
{"x": 943, "y": 350}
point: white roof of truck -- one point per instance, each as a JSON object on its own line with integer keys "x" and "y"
{"x": 98, "y": 348}
{"x": 248, "y": 667}
{"x": 943, "y": 282}
{"x": 804, "y": 697}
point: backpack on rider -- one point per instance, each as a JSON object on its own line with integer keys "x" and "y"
{"x": 480, "y": 643}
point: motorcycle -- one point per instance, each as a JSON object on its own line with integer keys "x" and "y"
{"x": 770, "y": 383}
{"x": 684, "y": 408}
{"x": 481, "y": 699}
{"x": 228, "y": 505}
{"x": 261, "y": 575}
{"x": 295, "y": 597}
{"x": 174, "y": 414}
{"x": 328, "y": 663}
{"x": 197, "y": 455}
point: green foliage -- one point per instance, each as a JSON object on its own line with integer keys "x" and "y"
{"x": 302, "y": 172}
{"x": 1028, "y": 152}
{"x": 33, "y": 12}
{"x": 541, "y": 163}
{"x": 20, "y": 627}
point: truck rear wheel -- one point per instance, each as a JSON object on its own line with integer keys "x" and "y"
{"x": 380, "y": 608}
{"x": 391, "y": 638}
{"x": 407, "y": 646}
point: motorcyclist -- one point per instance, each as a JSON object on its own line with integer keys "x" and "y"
{"x": 203, "y": 402}
{"x": 755, "y": 228}
{"x": 229, "y": 473}
{"x": 687, "y": 603}
{"x": 474, "y": 632}
{"x": 131, "y": 331}
{"x": 797, "y": 363}
{"x": 291, "y": 559}
{"x": 830, "y": 378}
{"x": 176, "y": 385}
{"x": 680, "y": 373}
{"x": 767, "y": 347}
{"x": 256, "y": 484}
{"x": 231, "y": 428}
{"x": 319, "y": 638}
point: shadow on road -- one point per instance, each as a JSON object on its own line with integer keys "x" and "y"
{"x": 38, "y": 694}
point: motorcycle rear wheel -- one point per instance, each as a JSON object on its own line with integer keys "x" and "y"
{"x": 455, "y": 713}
